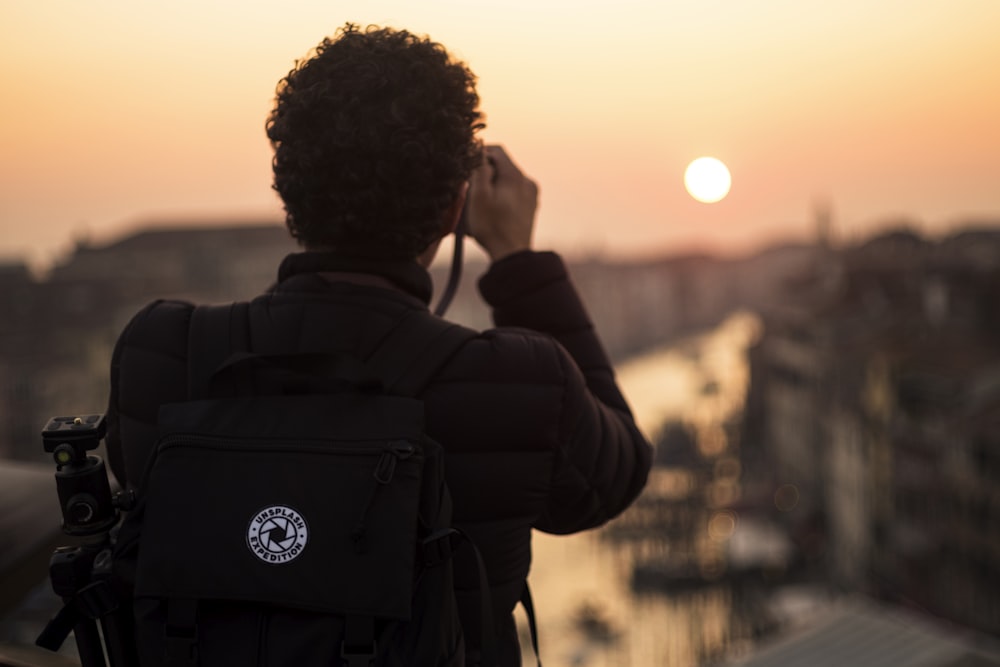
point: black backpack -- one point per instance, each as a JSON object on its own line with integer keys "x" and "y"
{"x": 276, "y": 525}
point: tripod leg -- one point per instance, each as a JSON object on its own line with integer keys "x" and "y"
{"x": 88, "y": 643}
{"x": 119, "y": 635}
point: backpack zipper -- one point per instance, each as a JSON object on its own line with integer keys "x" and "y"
{"x": 362, "y": 448}
{"x": 394, "y": 450}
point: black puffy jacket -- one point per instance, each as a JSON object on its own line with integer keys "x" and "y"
{"x": 536, "y": 432}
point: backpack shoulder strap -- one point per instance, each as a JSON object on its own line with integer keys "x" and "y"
{"x": 214, "y": 333}
{"x": 405, "y": 359}
{"x": 414, "y": 351}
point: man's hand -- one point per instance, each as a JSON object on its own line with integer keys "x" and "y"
{"x": 501, "y": 206}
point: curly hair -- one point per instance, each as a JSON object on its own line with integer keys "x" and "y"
{"x": 373, "y": 137}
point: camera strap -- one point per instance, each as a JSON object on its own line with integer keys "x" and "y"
{"x": 456, "y": 268}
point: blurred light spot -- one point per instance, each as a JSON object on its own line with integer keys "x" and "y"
{"x": 722, "y": 525}
{"x": 712, "y": 440}
{"x": 722, "y": 493}
{"x": 672, "y": 483}
{"x": 727, "y": 467}
{"x": 712, "y": 567}
{"x": 786, "y": 497}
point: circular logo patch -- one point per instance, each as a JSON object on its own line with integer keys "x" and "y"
{"x": 277, "y": 534}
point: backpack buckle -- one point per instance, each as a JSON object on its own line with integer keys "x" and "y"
{"x": 357, "y": 656}
{"x": 180, "y": 634}
{"x": 181, "y": 648}
{"x": 359, "y": 646}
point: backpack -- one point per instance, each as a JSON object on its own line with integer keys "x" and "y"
{"x": 294, "y": 512}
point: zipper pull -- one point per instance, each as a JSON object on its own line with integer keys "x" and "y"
{"x": 386, "y": 466}
{"x": 384, "y": 469}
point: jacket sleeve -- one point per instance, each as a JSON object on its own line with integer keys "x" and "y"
{"x": 148, "y": 368}
{"x": 602, "y": 461}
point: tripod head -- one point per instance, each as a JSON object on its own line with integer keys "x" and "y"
{"x": 70, "y": 438}
{"x": 88, "y": 507}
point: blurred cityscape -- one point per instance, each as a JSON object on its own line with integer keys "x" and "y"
{"x": 848, "y": 438}
{"x": 57, "y": 337}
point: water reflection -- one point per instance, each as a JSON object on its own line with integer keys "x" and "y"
{"x": 661, "y": 585}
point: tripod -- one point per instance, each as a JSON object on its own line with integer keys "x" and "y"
{"x": 93, "y": 610}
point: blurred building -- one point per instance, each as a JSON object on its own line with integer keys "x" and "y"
{"x": 57, "y": 334}
{"x": 875, "y": 395}
{"x": 18, "y": 303}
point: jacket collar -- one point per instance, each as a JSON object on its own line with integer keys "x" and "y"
{"x": 407, "y": 275}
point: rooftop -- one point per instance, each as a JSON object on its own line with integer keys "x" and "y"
{"x": 861, "y": 633}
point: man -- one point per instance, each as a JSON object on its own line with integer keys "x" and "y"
{"x": 375, "y": 158}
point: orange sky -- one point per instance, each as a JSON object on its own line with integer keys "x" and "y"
{"x": 118, "y": 111}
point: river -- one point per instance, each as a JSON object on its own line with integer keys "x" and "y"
{"x": 599, "y": 596}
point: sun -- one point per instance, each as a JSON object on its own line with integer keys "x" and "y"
{"x": 707, "y": 180}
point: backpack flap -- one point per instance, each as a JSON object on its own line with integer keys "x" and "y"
{"x": 265, "y": 499}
